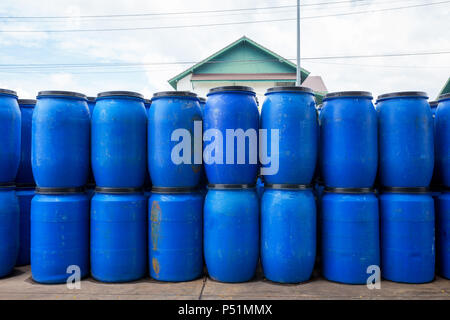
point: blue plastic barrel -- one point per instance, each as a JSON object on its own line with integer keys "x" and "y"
{"x": 60, "y": 140}
{"x": 442, "y": 123}
{"x": 119, "y": 139}
{"x": 10, "y": 131}
{"x": 348, "y": 140}
{"x": 59, "y": 235}
{"x": 405, "y": 125}
{"x": 407, "y": 235}
{"x": 433, "y": 106}
{"x": 436, "y": 179}
{"x": 25, "y": 173}
{"x": 171, "y": 149}
{"x": 118, "y": 235}
{"x": 175, "y": 236}
{"x": 91, "y": 104}
{"x": 24, "y": 195}
{"x": 350, "y": 235}
{"x": 288, "y": 233}
{"x": 291, "y": 112}
{"x": 443, "y": 234}
{"x": 9, "y": 229}
{"x": 232, "y": 109}
{"x": 231, "y": 232}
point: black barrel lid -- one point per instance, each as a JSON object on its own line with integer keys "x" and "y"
{"x": 175, "y": 94}
{"x": 349, "y": 190}
{"x": 61, "y": 94}
{"x": 434, "y": 104}
{"x": 231, "y": 186}
{"x": 444, "y": 96}
{"x": 420, "y": 94}
{"x": 28, "y": 102}
{"x": 7, "y": 91}
{"x": 231, "y": 88}
{"x": 363, "y": 94}
{"x": 91, "y": 99}
{"x": 120, "y": 94}
{"x": 117, "y": 190}
{"x": 290, "y": 89}
{"x": 405, "y": 190}
{"x": 202, "y": 100}
{"x": 174, "y": 190}
{"x": 287, "y": 186}
{"x": 59, "y": 190}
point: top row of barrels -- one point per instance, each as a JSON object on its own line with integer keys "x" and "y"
{"x": 352, "y": 140}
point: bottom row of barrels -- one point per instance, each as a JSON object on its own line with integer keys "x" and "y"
{"x": 118, "y": 237}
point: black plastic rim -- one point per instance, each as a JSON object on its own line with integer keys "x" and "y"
{"x": 291, "y": 89}
{"x": 174, "y": 190}
{"x": 231, "y": 186}
{"x": 9, "y": 92}
{"x": 434, "y": 104}
{"x": 120, "y": 94}
{"x": 356, "y": 94}
{"x": 444, "y": 96}
{"x": 349, "y": 190}
{"x": 175, "y": 94}
{"x": 419, "y": 94}
{"x": 405, "y": 190}
{"x": 91, "y": 99}
{"x": 25, "y": 185}
{"x": 59, "y": 190}
{"x": 61, "y": 94}
{"x": 231, "y": 88}
{"x": 117, "y": 190}
{"x": 287, "y": 186}
{"x": 202, "y": 100}
{"x": 7, "y": 185}
{"x": 28, "y": 102}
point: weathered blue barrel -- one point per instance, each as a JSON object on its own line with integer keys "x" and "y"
{"x": 443, "y": 234}
{"x": 25, "y": 172}
{"x": 59, "y": 235}
{"x": 171, "y": 149}
{"x": 91, "y": 104}
{"x": 232, "y": 109}
{"x": 288, "y": 233}
{"x": 350, "y": 234}
{"x": 290, "y": 114}
{"x": 24, "y": 195}
{"x": 10, "y": 123}
{"x": 118, "y": 235}
{"x": 407, "y": 235}
{"x": 60, "y": 140}
{"x": 442, "y": 140}
{"x": 231, "y": 232}
{"x": 119, "y": 139}
{"x": 175, "y": 235}
{"x": 9, "y": 230}
{"x": 348, "y": 140}
{"x": 405, "y": 125}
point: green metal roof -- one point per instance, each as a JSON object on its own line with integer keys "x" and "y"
{"x": 242, "y": 56}
{"x": 445, "y": 89}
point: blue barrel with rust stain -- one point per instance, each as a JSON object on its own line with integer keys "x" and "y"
{"x": 25, "y": 173}
{"x": 9, "y": 229}
{"x": 171, "y": 150}
{"x": 59, "y": 235}
{"x": 10, "y": 132}
{"x": 348, "y": 140}
{"x": 119, "y": 140}
{"x": 60, "y": 140}
{"x": 231, "y": 232}
{"x": 290, "y": 114}
{"x": 350, "y": 234}
{"x": 442, "y": 123}
{"x": 175, "y": 235}
{"x": 407, "y": 235}
{"x": 443, "y": 234}
{"x": 288, "y": 233}
{"x": 118, "y": 235}
{"x": 405, "y": 125}
{"x": 24, "y": 195}
{"x": 232, "y": 109}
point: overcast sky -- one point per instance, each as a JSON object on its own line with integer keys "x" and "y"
{"x": 420, "y": 29}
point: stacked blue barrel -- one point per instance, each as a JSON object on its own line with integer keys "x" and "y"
{"x": 406, "y": 135}
{"x": 175, "y": 207}
{"x": 349, "y": 219}
{"x": 60, "y": 208}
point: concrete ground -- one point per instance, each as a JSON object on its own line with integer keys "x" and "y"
{"x": 19, "y": 285}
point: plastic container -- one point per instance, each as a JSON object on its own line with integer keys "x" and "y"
{"x": 24, "y": 195}
{"x": 443, "y": 234}
{"x": 442, "y": 123}
{"x": 25, "y": 173}
{"x": 9, "y": 230}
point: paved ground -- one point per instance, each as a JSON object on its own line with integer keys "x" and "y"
{"x": 20, "y": 286}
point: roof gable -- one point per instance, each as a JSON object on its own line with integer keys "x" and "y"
{"x": 445, "y": 89}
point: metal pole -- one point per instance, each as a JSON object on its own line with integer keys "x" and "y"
{"x": 298, "y": 80}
